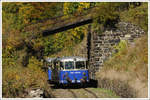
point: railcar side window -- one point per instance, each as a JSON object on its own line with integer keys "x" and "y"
{"x": 69, "y": 65}
{"x": 80, "y": 65}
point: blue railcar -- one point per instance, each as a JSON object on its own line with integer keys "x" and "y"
{"x": 67, "y": 70}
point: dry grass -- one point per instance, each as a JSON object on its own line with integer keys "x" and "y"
{"x": 130, "y": 66}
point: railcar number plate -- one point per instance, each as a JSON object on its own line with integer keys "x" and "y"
{"x": 75, "y": 72}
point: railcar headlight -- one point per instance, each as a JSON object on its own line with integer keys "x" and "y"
{"x": 84, "y": 73}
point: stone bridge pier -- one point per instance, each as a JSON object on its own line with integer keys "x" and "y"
{"x": 100, "y": 46}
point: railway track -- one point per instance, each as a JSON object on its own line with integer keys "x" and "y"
{"x": 91, "y": 92}
{"x": 74, "y": 93}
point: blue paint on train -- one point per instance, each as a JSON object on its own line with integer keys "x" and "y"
{"x": 49, "y": 75}
{"x": 74, "y": 76}
{"x": 67, "y": 70}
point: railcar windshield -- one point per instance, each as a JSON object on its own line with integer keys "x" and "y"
{"x": 80, "y": 65}
{"x": 69, "y": 65}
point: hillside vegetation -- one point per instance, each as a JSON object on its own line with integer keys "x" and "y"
{"x": 130, "y": 64}
{"x": 23, "y": 52}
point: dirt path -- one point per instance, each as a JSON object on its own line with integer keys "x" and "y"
{"x": 83, "y": 93}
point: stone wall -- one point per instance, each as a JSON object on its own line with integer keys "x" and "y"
{"x": 101, "y": 45}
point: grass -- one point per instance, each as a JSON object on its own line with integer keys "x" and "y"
{"x": 130, "y": 66}
{"x": 84, "y": 93}
{"x": 108, "y": 93}
{"x": 133, "y": 58}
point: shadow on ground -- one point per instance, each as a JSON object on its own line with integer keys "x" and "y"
{"x": 91, "y": 84}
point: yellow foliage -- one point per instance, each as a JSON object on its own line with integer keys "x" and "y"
{"x": 66, "y": 4}
{"x": 37, "y": 44}
{"x": 81, "y": 5}
{"x": 17, "y": 80}
{"x": 15, "y": 40}
{"x": 34, "y": 63}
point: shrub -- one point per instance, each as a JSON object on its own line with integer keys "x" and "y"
{"x": 138, "y": 16}
{"x": 17, "y": 81}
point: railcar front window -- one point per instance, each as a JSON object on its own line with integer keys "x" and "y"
{"x": 80, "y": 65}
{"x": 69, "y": 65}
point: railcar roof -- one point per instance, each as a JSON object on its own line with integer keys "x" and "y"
{"x": 71, "y": 58}
{"x": 50, "y": 59}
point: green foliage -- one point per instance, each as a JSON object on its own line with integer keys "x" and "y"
{"x": 17, "y": 15}
{"x": 24, "y": 13}
{"x": 120, "y": 48}
{"x": 106, "y": 14}
{"x": 64, "y": 40}
{"x": 70, "y": 8}
{"x": 110, "y": 93}
{"x": 75, "y": 7}
{"x": 138, "y": 16}
{"x": 34, "y": 63}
